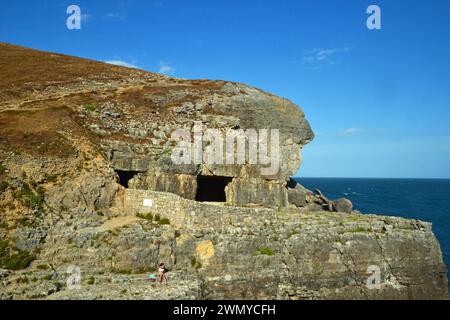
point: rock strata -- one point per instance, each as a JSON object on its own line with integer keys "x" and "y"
{"x": 90, "y": 196}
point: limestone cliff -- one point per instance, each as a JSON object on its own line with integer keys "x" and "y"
{"x": 84, "y": 145}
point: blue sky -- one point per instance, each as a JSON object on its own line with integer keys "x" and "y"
{"x": 378, "y": 100}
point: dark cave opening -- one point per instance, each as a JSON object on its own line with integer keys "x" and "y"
{"x": 211, "y": 188}
{"x": 125, "y": 177}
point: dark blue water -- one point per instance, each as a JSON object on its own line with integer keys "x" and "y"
{"x": 423, "y": 199}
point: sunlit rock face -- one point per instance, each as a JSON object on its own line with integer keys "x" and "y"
{"x": 234, "y": 111}
{"x": 88, "y": 186}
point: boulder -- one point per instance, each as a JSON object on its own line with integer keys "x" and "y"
{"x": 342, "y": 205}
{"x": 323, "y": 199}
{"x": 87, "y": 190}
{"x": 297, "y": 196}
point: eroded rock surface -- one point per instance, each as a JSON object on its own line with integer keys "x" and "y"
{"x": 84, "y": 145}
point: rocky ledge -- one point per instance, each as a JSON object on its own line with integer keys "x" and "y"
{"x": 91, "y": 201}
{"x": 216, "y": 251}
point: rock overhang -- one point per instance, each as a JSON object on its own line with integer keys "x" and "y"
{"x": 230, "y": 107}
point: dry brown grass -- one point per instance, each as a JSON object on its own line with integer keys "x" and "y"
{"x": 208, "y": 84}
{"x": 21, "y": 65}
{"x": 211, "y": 110}
{"x": 36, "y": 132}
{"x": 41, "y": 94}
{"x": 137, "y": 97}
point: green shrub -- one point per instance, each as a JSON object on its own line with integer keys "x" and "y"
{"x": 264, "y": 251}
{"x": 156, "y": 219}
{"x": 3, "y": 186}
{"x": 195, "y": 264}
{"x": 40, "y": 191}
{"x": 48, "y": 277}
{"x": 42, "y": 267}
{"x": 3, "y": 249}
{"x": 24, "y": 222}
{"x": 359, "y": 229}
{"x": 91, "y": 281}
{"x": 2, "y": 168}
{"x": 35, "y": 201}
{"x": 122, "y": 271}
{"x": 50, "y": 178}
{"x": 18, "y": 261}
{"x": 148, "y": 216}
{"x": 30, "y": 198}
{"x": 164, "y": 221}
{"x": 90, "y": 107}
{"x": 22, "y": 280}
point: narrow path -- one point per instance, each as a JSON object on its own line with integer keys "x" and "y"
{"x": 118, "y": 222}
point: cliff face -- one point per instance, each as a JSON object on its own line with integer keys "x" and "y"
{"x": 131, "y": 115}
{"x": 83, "y": 145}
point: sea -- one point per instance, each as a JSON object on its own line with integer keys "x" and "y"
{"x": 422, "y": 199}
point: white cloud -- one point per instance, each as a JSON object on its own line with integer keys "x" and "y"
{"x": 361, "y": 132}
{"x": 122, "y": 63}
{"x": 324, "y": 56}
{"x": 166, "y": 68}
{"x": 116, "y": 16}
{"x": 352, "y": 131}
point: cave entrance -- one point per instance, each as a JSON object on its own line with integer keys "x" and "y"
{"x": 211, "y": 188}
{"x": 125, "y": 177}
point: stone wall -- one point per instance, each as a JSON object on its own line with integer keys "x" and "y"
{"x": 184, "y": 212}
{"x": 260, "y": 253}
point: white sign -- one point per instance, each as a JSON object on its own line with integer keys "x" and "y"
{"x": 148, "y": 203}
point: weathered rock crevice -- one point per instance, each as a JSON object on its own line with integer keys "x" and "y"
{"x": 212, "y": 188}
{"x": 124, "y": 177}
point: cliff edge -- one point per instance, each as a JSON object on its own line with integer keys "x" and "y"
{"x": 91, "y": 199}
